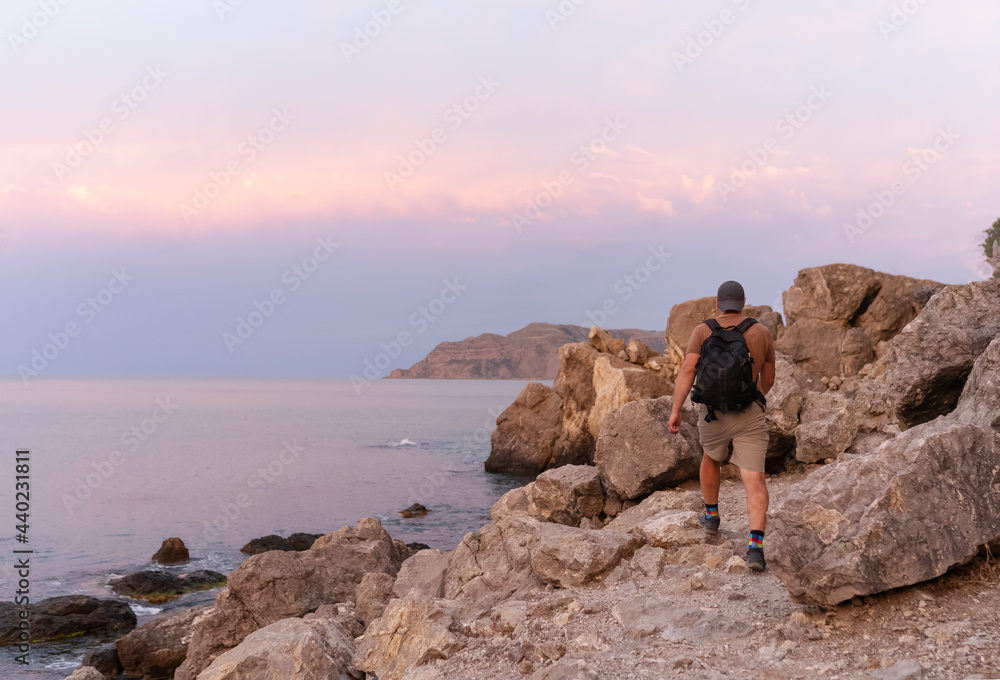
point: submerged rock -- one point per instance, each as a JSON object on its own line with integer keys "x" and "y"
{"x": 415, "y": 510}
{"x": 67, "y": 616}
{"x": 159, "y": 586}
{"x": 298, "y": 541}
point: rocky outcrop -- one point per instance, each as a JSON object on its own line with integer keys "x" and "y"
{"x": 290, "y": 649}
{"x": 66, "y": 616}
{"x": 564, "y": 495}
{"x": 160, "y": 586}
{"x": 527, "y": 354}
{"x": 980, "y": 400}
{"x": 916, "y": 506}
{"x": 549, "y": 428}
{"x": 277, "y": 585}
{"x": 784, "y": 406}
{"x": 156, "y": 649}
{"x": 926, "y": 366}
{"x": 838, "y": 314}
{"x": 636, "y": 454}
{"x": 413, "y": 631}
{"x": 172, "y": 551}
{"x": 86, "y": 673}
{"x": 298, "y": 542}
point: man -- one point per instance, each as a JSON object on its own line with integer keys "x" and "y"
{"x": 746, "y": 430}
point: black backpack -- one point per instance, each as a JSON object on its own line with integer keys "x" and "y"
{"x": 724, "y": 380}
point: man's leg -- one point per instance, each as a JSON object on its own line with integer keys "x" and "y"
{"x": 710, "y": 477}
{"x": 757, "y": 498}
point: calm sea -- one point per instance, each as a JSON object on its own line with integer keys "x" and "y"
{"x": 116, "y": 466}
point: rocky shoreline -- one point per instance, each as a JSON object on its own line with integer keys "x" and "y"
{"x": 885, "y": 523}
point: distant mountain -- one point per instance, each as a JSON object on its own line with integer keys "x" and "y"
{"x": 531, "y": 353}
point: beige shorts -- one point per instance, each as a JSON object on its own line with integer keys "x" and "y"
{"x": 747, "y": 431}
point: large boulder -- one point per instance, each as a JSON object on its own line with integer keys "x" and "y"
{"x": 66, "y": 616}
{"x": 564, "y": 495}
{"x": 568, "y": 556}
{"x": 547, "y": 428}
{"x": 155, "y": 650}
{"x": 412, "y": 632}
{"x": 926, "y": 365}
{"x": 839, "y": 313}
{"x": 373, "y": 594}
{"x": 636, "y": 454}
{"x": 424, "y": 572}
{"x": 86, "y": 673}
{"x": 980, "y": 400}
{"x": 784, "y": 404}
{"x": 105, "y": 659}
{"x": 277, "y": 585}
{"x": 172, "y": 551}
{"x": 494, "y": 563}
{"x": 526, "y": 433}
{"x": 829, "y": 425}
{"x": 918, "y": 505}
{"x": 670, "y": 499}
{"x": 290, "y": 649}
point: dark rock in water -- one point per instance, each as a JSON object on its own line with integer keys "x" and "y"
{"x": 415, "y": 510}
{"x": 158, "y": 587}
{"x": 302, "y": 541}
{"x": 417, "y": 547}
{"x": 295, "y": 542}
{"x": 173, "y": 551}
{"x": 104, "y": 659}
{"x": 157, "y": 648}
{"x": 67, "y": 616}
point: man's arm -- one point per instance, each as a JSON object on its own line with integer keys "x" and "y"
{"x": 685, "y": 379}
{"x": 766, "y": 377}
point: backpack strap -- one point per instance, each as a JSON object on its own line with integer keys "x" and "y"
{"x": 712, "y": 324}
{"x": 745, "y": 325}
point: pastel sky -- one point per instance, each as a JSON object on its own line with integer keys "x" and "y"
{"x": 500, "y": 163}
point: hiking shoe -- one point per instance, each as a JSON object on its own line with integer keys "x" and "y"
{"x": 709, "y": 524}
{"x": 755, "y": 559}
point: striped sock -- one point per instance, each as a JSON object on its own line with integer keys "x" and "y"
{"x": 757, "y": 539}
{"x": 711, "y": 510}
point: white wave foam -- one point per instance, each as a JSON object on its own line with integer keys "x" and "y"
{"x": 405, "y": 442}
{"x": 144, "y": 611}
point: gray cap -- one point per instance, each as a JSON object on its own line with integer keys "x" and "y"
{"x": 731, "y": 297}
